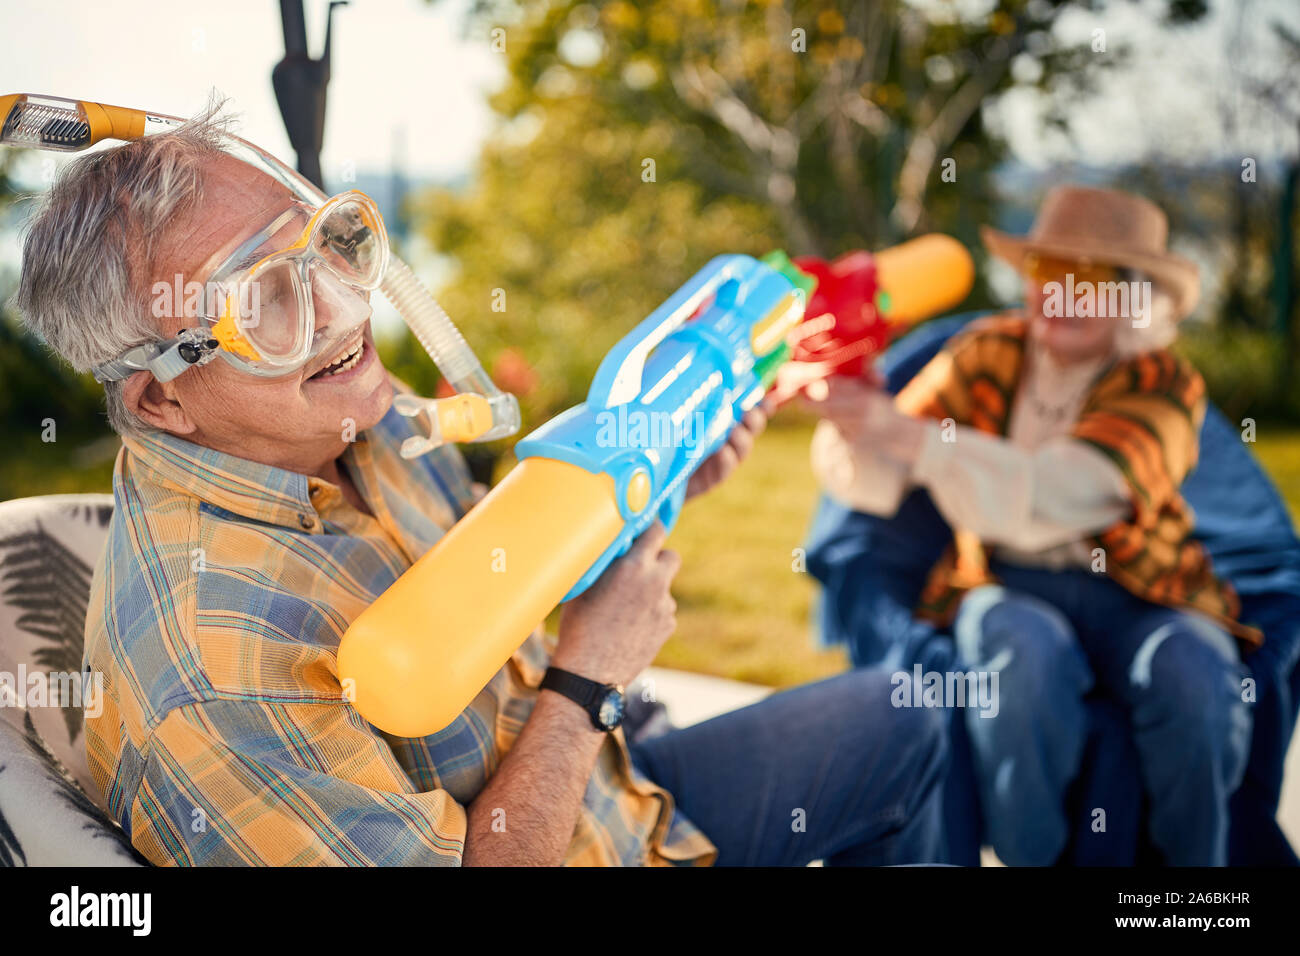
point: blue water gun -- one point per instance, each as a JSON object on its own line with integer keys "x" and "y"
{"x": 587, "y": 484}
{"x": 667, "y": 396}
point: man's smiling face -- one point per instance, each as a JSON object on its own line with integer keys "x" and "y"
{"x": 295, "y": 421}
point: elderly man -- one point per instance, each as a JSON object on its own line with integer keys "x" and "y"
{"x": 260, "y": 509}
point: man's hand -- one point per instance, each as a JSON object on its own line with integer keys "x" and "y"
{"x": 718, "y": 466}
{"x": 613, "y": 630}
{"x": 865, "y": 414}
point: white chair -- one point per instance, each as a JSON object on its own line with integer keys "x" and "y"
{"x": 51, "y": 813}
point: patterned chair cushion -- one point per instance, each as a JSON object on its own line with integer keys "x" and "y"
{"x": 48, "y": 550}
{"x": 45, "y": 818}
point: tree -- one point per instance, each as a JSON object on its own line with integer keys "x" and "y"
{"x": 638, "y": 140}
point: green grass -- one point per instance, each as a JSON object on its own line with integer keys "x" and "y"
{"x": 1278, "y": 450}
{"x": 743, "y": 612}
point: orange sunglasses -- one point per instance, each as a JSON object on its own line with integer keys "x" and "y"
{"x": 1055, "y": 268}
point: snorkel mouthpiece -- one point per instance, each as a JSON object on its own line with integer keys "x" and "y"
{"x": 458, "y": 364}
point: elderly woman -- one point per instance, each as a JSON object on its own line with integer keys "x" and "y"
{"x": 1053, "y": 440}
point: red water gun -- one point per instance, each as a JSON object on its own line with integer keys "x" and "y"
{"x": 864, "y": 300}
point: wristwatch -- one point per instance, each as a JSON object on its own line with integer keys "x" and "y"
{"x": 605, "y": 704}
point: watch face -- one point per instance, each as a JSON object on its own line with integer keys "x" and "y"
{"x": 610, "y": 714}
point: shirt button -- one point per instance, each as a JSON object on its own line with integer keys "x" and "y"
{"x": 307, "y": 522}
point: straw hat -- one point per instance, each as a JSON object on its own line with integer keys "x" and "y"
{"x": 1105, "y": 226}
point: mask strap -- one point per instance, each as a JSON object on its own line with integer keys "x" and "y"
{"x": 164, "y": 360}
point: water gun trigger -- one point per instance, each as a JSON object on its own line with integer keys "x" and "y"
{"x": 672, "y": 508}
{"x": 638, "y": 498}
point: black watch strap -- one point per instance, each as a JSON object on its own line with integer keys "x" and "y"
{"x": 587, "y": 694}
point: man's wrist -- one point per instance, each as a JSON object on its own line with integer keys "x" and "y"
{"x": 604, "y": 702}
{"x": 568, "y": 715}
{"x": 583, "y": 668}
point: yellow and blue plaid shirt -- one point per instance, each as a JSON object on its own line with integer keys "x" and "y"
{"x": 225, "y": 738}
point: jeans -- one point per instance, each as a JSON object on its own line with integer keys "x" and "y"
{"x": 1055, "y": 636}
{"x": 826, "y": 771}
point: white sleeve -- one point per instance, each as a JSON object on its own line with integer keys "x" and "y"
{"x": 855, "y": 476}
{"x": 1030, "y": 501}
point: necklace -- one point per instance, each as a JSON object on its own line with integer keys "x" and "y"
{"x": 1048, "y": 411}
{"x": 1053, "y": 412}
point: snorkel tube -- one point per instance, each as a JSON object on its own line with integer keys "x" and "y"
{"x": 479, "y": 411}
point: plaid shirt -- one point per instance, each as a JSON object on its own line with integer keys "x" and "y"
{"x": 225, "y": 738}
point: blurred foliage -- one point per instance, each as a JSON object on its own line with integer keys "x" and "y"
{"x": 1238, "y": 365}
{"x": 1245, "y": 215}
{"x": 817, "y": 127}
{"x": 1240, "y": 347}
{"x": 41, "y": 398}
{"x": 748, "y": 617}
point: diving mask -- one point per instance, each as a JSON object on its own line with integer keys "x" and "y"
{"x": 259, "y": 305}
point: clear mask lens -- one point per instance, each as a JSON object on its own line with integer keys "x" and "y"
{"x": 271, "y": 325}
{"x": 275, "y": 326}
{"x": 349, "y": 243}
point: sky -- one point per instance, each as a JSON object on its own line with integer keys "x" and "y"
{"x": 1175, "y": 86}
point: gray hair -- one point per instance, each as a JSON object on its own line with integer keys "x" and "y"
{"x": 92, "y": 243}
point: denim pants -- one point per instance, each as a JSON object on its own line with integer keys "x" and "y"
{"x": 826, "y": 771}
{"x": 1055, "y": 636}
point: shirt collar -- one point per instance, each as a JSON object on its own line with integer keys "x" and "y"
{"x": 245, "y": 488}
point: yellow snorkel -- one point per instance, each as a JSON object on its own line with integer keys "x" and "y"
{"x": 480, "y": 412}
